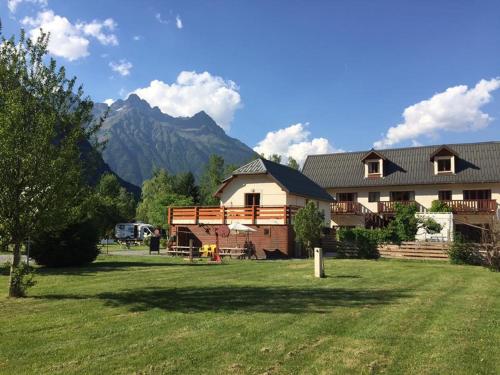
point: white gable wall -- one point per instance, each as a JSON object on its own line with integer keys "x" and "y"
{"x": 271, "y": 194}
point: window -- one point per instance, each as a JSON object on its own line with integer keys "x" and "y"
{"x": 346, "y": 197}
{"x": 444, "y": 195}
{"x": 444, "y": 165}
{"x": 373, "y": 167}
{"x": 398, "y": 196}
{"x": 252, "y": 199}
{"x": 373, "y": 196}
{"x": 477, "y": 194}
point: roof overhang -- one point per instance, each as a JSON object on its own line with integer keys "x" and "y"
{"x": 372, "y": 154}
{"x": 442, "y": 151}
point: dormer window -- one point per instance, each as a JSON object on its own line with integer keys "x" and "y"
{"x": 444, "y": 165}
{"x": 374, "y": 164}
{"x": 373, "y": 167}
{"x": 444, "y": 160}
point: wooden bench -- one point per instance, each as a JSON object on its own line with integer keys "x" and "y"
{"x": 233, "y": 251}
{"x": 182, "y": 250}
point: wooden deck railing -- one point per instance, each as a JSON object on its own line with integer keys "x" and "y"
{"x": 223, "y": 215}
{"x": 390, "y": 207}
{"x": 346, "y": 207}
{"x": 472, "y": 206}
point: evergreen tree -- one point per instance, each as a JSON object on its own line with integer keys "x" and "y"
{"x": 185, "y": 184}
{"x": 211, "y": 180}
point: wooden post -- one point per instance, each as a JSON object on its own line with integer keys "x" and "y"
{"x": 196, "y": 215}
{"x": 254, "y": 214}
{"x": 191, "y": 250}
{"x": 319, "y": 266}
{"x": 223, "y": 214}
{"x": 285, "y": 211}
{"x": 169, "y": 212}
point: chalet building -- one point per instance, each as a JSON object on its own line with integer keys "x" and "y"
{"x": 262, "y": 195}
{"x": 367, "y": 185}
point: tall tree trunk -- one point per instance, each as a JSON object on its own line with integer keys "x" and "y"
{"x": 14, "y": 289}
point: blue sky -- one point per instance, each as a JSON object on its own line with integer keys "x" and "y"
{"x": 342, "y": 72}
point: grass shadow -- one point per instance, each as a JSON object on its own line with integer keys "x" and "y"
{"x": 248, "y": 299}
{"x": 110, "y": 266}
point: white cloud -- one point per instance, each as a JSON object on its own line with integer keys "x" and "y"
{"x": 68, "y": 40}
{"x": 293, "y": 141}
{"x": 98, "y": 29}
{"x": 193, "y": 92}
{"x": 458, "y": 109}
{"x": 160, "y": 20}
{"x": 109, "y": 101}
{"x": 13, "y": 4}
{"x": 122, "y": 67}
{"x": 65, "y": 39}
{"x": 178, "y": 22}
{"x": 137, "y": 37}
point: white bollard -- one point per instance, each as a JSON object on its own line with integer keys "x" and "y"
{"x": 319, "y": 265}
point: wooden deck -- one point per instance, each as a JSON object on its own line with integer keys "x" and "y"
{"x": 472, "y": 206}
{"x": 277, "y": 215}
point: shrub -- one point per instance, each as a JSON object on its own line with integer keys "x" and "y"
{"x": 308, "y": 223}
{"x": 23, "y": 278}
{"x": 440, "y": 206}
{"x": 365, "y": 240}
{"x": 431, "y": 226}
{"x": 74, "y": 245}
{"x": 493, "y": 258}
{"x": 462, "y": 252}
{"x": 405, "y": 224}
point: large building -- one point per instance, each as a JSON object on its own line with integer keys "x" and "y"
{"x": 262, "y": 195}
{"x": 367, "y": 185}
{"x": 353, "y": 189}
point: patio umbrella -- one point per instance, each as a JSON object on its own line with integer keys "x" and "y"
{"x": 240, "y": 228}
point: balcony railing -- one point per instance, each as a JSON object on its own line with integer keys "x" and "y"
{"x": 226, "y": 215}
{"x": 346, "y": 207}
{"x": 390, "y": 207}
{"x": 472, "y": 206}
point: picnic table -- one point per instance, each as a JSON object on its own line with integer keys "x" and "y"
{"x": 182, "y": 250}
{"x": 239, "y": 252}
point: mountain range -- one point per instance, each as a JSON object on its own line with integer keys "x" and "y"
{"x": 140, "y": 138}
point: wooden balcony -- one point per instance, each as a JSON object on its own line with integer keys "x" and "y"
{"x": 390, "y": 207}
{"x": 346, "y": 208}
{"x": 472, "y": 206}
{"x": 270, "y": 215}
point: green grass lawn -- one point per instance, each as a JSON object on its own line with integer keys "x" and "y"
{"x": 152, "y": 315}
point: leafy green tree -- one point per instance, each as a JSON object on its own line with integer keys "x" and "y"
{"x": 211, "y": 180}
{"x": 110, "y": 204}
{"x": 404, "y": 226}
{"x": 292, "y": 163}
{"x": 185, "y": 184}
{"x": 308, "y": 222}
{"x": 44, "y": 117}
{"x": 440, "y": 206}
{"x": 275, "y": 158}
{"x": 157, "y": 195}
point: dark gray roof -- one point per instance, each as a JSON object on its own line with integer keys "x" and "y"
{"x": 290, "y": 179}
{"x": 476, "y": 162}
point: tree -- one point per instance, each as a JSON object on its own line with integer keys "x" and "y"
{"x": 307, "y": 225}
{"x": 109, "y": 204}
{"x": 404, "y": 226}
{"x": 275, "y": 158}
{"x": 157, "y": 195}
{"x": 211, "y": 180}
{"x": 44, "y": 118}
{"x": 185, "y": 184}
{"x": 292, "y": 163}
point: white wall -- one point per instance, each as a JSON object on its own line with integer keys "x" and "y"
{"x": 424, "y": 195}
{"x": 271, "y": 194}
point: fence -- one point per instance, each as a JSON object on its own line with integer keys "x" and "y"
{"x": 407, "y": 250}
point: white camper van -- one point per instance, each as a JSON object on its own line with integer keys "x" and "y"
{"x": 132, "y": 232}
